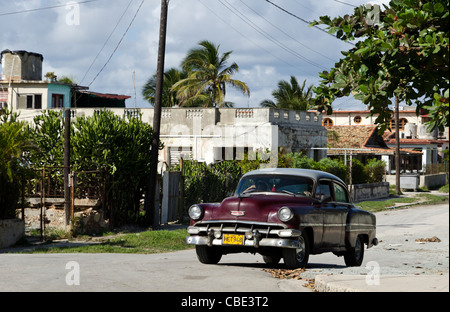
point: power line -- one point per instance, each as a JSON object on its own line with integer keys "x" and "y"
{"x": 267, "y": 35}
{"x": 281, "y": 30}
{"x": 349, "y": 4}
{"x": 46, "y": 8}
{"x": 118, "y": 44}
{"x": 243, "y": 35}
{"x": 115, "y": 27}
{"x": 302, "y": 19}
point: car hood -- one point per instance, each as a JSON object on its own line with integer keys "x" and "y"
{"x": 257, "y": 208}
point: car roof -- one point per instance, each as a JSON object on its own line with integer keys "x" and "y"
{"x": 313, "y": 174}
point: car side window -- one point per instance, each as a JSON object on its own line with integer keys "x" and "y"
{"x": 323, "y": 188}
{"x": 340, "y": 193}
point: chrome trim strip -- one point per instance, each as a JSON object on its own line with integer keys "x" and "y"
{"x": 241, "y": 222}
{"x": 264, "y": 242}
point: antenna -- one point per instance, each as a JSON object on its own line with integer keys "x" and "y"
{"x": 134, "y": 83}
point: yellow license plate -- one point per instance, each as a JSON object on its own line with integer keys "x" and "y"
{"x": 233, "y": 239}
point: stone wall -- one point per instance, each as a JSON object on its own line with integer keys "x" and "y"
{"x": 88, "y": 220}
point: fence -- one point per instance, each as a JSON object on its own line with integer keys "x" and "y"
{"x": 43, "y": 196}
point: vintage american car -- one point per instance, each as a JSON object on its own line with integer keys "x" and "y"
{"x": 283, "y": 213}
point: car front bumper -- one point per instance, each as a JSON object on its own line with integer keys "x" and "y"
{"x": 287, "y": 238}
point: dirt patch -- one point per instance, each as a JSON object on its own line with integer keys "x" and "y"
{"x": 433, "y": 239}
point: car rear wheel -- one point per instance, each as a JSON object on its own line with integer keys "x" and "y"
{"x": 295, "y": 258}
{"x": 208, "y": 255}
{"x": 355, "y": 256}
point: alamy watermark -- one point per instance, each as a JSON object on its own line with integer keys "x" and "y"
{"x": 73, "y": 14}
{"x": 73, "y": 276}
{"x": 373, "y": 277}
{"x": 373, "y": 16}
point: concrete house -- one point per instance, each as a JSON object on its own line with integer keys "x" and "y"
{"x": 23, "y": 89}
{"x": 414, "y": 135}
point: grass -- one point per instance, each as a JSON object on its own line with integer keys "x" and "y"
{"x": 147, "y": 242}
{"x": 421, "y": 198}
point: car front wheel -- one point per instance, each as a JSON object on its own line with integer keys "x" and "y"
{"x": 208, "y": 255}
{"x": 355, "y": 256}
{"x": 295, "y": 258}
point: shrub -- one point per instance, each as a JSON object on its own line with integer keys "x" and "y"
{"x": 359, "y": 173}
{"x": 375, "y": 170}
{"x": 14, "y": 141}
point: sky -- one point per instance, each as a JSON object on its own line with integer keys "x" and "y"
{"x": 111, "y": 46}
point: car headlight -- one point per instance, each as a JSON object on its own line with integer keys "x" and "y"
{"x": 285, "y": 214}
{"x": 195, "y": 212}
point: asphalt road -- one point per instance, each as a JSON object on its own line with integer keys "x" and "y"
{"x": 398, "y": 253}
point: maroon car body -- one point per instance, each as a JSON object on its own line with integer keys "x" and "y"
{"x": 283, "y": 214}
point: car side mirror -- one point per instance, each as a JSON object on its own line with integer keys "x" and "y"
{"x": 325, "y": 198}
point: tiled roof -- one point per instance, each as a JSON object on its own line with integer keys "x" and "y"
{"x": 363, "y": 138}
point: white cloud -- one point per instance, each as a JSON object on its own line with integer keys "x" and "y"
{"x": 268, "y": 44}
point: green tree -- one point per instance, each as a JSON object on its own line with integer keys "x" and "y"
{"x": 169, "y": 98}
{"x": 208, "y": 77}
{"x": 121, "y": 145}
{"x": 401, "y": 52}
{"x": 290, "y": 95}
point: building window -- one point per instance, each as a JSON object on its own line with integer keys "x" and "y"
{"x": 57, "y": 100}
{"x": 357, "y": 119}
{"x": 402, "y": 123}
{"x": 327, "y": 122}
{"x": 34, "y": 101}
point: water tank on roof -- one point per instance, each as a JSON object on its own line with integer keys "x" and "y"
{"x": 21, "y": 65}
{"x": 410, "y": 131}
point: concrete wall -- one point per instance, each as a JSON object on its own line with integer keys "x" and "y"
{"x": 369, "y": 191}
{"x": 55, "y": 88}
{"x": 204, "y": 133}
{"x": 428, "y": 180}
{"x": 11, "y": 231}
{"x": 434, "y": 180}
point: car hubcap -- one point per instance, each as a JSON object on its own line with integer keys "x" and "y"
{"x": 301, "y": 250}
{"x": 358, "y": 249}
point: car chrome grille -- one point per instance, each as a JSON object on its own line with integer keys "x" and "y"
{"x": 243, "y": 227}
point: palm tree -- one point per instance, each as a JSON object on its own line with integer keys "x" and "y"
{"x": 208, "y": 77}
{"x": 290, "y": 96}
{"x": 169, "y": 98}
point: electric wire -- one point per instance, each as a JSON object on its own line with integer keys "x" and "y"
{"x": 109, "y": 37}
{"x": 302, "y": 19}
{"x": 267, "y": 35}
{"x": 349, "y": 4}
{"x": 288, "y": 35}
{"x": 118, "y": 44}
{"x": 246, "y": 37}
{"x": 46, "y": 8}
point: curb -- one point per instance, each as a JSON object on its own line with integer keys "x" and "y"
{"x": 385, "y": 283}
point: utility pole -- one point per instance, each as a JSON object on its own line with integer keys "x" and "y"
{"x": 67, "y": 197}
{"x": 397, "y": 148}
{"x": 152, "y": 212}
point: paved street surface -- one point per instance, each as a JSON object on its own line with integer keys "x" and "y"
{"x": 398, "y": 263}
{"x": 172, "y": 272}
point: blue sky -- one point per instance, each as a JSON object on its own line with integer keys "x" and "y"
{"x": 77, "y": 38}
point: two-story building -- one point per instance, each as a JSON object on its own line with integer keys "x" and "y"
{"x": 414, "y": 135}
{"x": 23, "y": 89}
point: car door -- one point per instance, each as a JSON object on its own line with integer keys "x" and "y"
{"x": 341, "y": 205}
{"x": 334, "y": 215}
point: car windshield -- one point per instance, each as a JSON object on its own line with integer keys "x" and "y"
{"x": 293, "y": 185}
